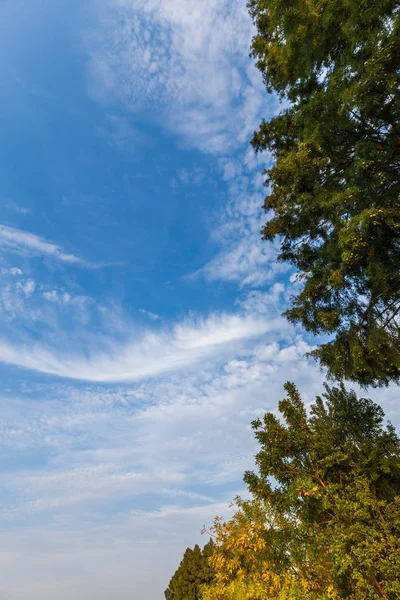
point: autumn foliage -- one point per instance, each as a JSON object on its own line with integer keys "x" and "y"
{"x": 324, "y": 518}
{"x": 322, "y": 521}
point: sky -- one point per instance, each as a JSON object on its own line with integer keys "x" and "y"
{"x": 140, "y": 311}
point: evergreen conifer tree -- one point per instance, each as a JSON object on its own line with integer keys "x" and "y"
{"x": 334, "y": 186}
{"x": 194, "y": 571}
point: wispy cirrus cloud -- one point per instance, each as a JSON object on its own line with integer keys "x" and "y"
{"x": 26, "y": 303}
{"x": 22, "y": 242}
{"x": 150, "y": 315}
{"x": 181, "y": 443}
{"x": 102, "y": 560}
{"x": 164, "y": 436}
{"x": 151, "y": 354}
{"x": 242, "y": 257}
{"x": 186, "y": 64}
{"x": 187, "y": 60}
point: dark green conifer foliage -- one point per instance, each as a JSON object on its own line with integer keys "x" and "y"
{"x": 192, "y": 572}
{"x": 334, "y": 186}
{"x": 332, "y": 482}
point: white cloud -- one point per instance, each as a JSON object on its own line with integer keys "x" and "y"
{"x": 17, "y": 297}
{"x": 55, "y": 490}
{"x": 185, "y": 64}
{"x": 133, "y": 555}
{"x": 14, "y": 271}
{"x": 259, "y": 302}
{"x": 57, "y": 297}
{"x": 22, "y": 210}
{"x": 23, "y": 242}
{"x": 187, "y": 61}
{"x": 186, "y": 344}
{"x": 152, "y": 316}
{"x": 28, "y": 287}
{"x": 242, "y": 256}
{"x": 183, "y": 437}
{"x": 21, "y": 303}
{"x": 248, "y": 262}
{"x": 120, "y": 479}
{"x": 163, "y": 450}
{"x": 177, "y": 442}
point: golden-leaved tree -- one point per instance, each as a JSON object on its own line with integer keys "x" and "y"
{"x": 239, "y": 561}
{"x": 324, "y": 519}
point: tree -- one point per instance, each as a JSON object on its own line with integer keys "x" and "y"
{"x": 194, "y": 570}
{"x": 331, "y": 482}
{"x": 241, "y": 571}
{"x": 334, "y": 186}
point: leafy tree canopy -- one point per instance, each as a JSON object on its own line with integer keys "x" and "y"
{"x": 331, "y": 485}
{"x": 334, "y": 186}
{"x": 239, "y": 558}
{"x": 194, "y": 570}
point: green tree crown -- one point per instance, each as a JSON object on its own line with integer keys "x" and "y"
{"x": 194, "y": 571}
{"x": 332, "y": 482}
{"x": 333, "y": 190}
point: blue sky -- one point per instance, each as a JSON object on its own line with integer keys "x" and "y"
{"x": 140, "y": 311}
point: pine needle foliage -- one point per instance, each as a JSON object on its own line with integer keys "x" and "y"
{"x": 194, "y": 571}
{"x": 333, "y": 190}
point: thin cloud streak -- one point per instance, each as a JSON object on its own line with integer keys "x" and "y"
{"x": 18, "y": 241}
{"x": 22, "y": 242}
{"x": 152, "y": 354}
